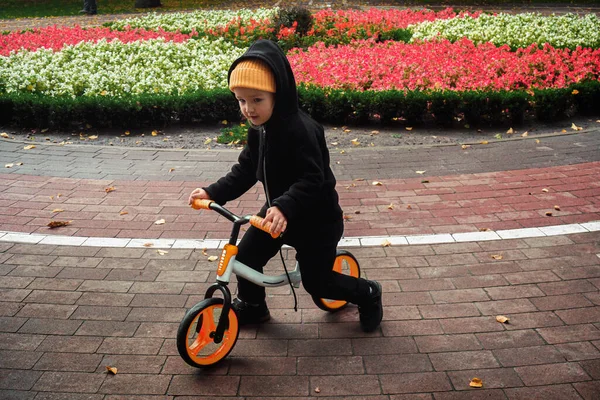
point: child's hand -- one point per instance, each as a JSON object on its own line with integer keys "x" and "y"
{"x": 277, "y": 220}
{"x": 198, "y": 194}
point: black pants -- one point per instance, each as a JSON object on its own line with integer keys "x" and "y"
{"x": 316, "y": 258}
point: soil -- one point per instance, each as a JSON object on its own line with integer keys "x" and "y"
{"x": 197, "y": 136}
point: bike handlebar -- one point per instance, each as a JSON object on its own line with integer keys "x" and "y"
{"x": 255, "y": 220}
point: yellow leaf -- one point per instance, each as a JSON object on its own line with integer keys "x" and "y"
{"x": 525, "y": 134}
{"x": 408, "y": 207}
{"x": 575, "y": 91}
{"x": 161, "y": 252}
{"x": 484, "y": 142}
{"x": 154, "y": 133}
{"x": 510, "y": 131}
{"x": 386, "y": 243}
{"x": 557, "y": 208}
{"x": 374, "y": 133}
{"x": 109, "y": 189}
{"x": 159, "y": 222}
{"x": 57, "y": 210}
{"x": 207, "y": 141}
{"x": 496, "y": 256}
{"x": 377, "y": 183}
{"x": 391, "y": 206}
{"x": 317, "y": 390}
{"x": 343, "y": 152}
{"x": 357, "y": 212}
{"x": 124, "y": 212}
{"x": 476, "y": 383}
{"x": 171, "y": 169}
{"x": 502, "y": 319}
{"x": 213, "y": 258}
{"x": 29, "y": 147}
{"x": 420, "y": 172}
{"x": 148, "y": 244}
{"x": 224, "y": 122}
{"x": 465, "y": 146}
{"x": 9, "y": 165}
{"x": 347, "y": 217}
{"x": 112, "y": 370}
{"x": 19, "y": 163}
{"x": 575, "y": 127}
{"x": 484, "y": 229}
{"x": 359, "y": 179}
{"x": 347, "y": 130}
{"x": 355, "y": 142}
{"x": 58, "y": 195}
{"x": 204, "y": 253}
{"x": 545, "y": 190}
{"x": 127, "y": 133}
{"x": 4, "y": 135}
{"x": 334, "y": 143}
{"x": 408, "y": 128}
{"x": 93, "y": 137}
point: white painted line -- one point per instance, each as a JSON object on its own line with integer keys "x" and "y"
{"x": 364, "y": 241}
{"x": 562, "y": 229}
{"x": 21, "y": 238}
{"x": 475, "y": 236}
{"x": 106, "y": 242}
{"x": 430, "y": 239}
{"x": 520, "y": 233}
{"x": 155, "y": 243}
{"x": 195, "y": 244}
{"x": 593, "y": 226}
{"x": 64, "y": 240}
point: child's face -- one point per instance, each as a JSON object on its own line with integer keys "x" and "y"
{"x": 256, "y": 105}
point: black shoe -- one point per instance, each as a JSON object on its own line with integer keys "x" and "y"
{"x": 249, "y": 313}
{"x": 84, "y": 12}
{"x": 371, "y": 310}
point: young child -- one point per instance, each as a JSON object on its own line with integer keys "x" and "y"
{"x": 286, "y": 151}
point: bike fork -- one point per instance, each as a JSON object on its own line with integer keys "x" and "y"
{"x": 217, "y": 335}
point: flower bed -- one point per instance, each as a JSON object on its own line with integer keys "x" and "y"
{"x": 56, "y": 38}
{"x": 520, "y": 30}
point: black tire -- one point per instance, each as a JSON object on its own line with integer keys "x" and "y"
{"x": 353, "y": 269}
{"x": 197, "y": 322}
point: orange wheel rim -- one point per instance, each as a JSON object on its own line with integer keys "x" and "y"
{"x": 337, "y": 267}
{"x": 201, "y": 348}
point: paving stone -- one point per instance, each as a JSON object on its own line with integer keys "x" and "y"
{"x": 566, "y": 334}
{"x": 18, "y": 379}
{"x": 138, "y": 384}
{"x": 510, "y": 339}
{"x": 76, "y": 362}
{"x": 459, "y": 295}
{"x": 420, "y": 382}
{"x": 411, "y": 328}
{"x": 482, "y": 281}
{"x": 70, "y": 344}
{"x": 11, "y": 359}
{"x": 45, "y": 326}
{"x": 588, "y": 390}
{"x": 543, "y": 392}
{"x": 285, "y": 385}
{"x": 107, "y": 328}
{"x": 492, "y": 378}
{"x": 533, "y": 320}
{"x": 78, "y": 382}
{"x": 561, "y": 302}
{"x": 470, "y": 325}
{"x": 463, "y": 360}
{"x": 551, "y": 374}
{"x": 443, "y": 343}
{"x": 379, "y": 345}
{"x": 269, "y": 348}
{"x": 514, "y": 292}
{"x": 137, "y": 346}
{"x": 503, "y": 307}
{"x": 269, "y": 366}
{"x": 335, "y": 365}
{"x": 578, "y": 351}
{"x": 579, "y": 315}
{"x": 490, "y": 394}
{"x": 11, "y": 324}
{"x": 528, "y": 356}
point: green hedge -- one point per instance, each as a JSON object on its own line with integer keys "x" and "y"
{"x": 475, "y": 108}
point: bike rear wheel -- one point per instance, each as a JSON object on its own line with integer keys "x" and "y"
{"x": 195, "y": 336}
{"x": 345, "y": 263}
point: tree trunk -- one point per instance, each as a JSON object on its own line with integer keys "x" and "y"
{"x": 147, "y": 3}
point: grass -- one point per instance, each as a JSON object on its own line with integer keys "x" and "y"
{"x": 11, "y": 9}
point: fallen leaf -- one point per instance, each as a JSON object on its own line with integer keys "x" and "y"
{"x": 57, "y": 224}
{"x": 171, "y": 169}
{"x": 148, "y": 244}
{"x": 496, "y": 256}
{"x": 548, "y": 213}
{"x": 425, "y": 181}
{"x": 409, "y": 207}
{"x": 498, "y": 136}
{"x": 9, "y": 165}
{"x": 110, "y": 189}
{"x": 563, "y": 131}
{"x": 525, "y": 134}
{"x": 213, "y": 258}
{"x": 420, "y": 172}
{"x": 204, "y": 253}
{"x": 124, "y": 212}
{"x": 57, "y": 210}
{"x": 347, "y": 130}
{"x": 355, "y": 142}
{"x": 557, "y": 208}
{"x": 346, "y": 217}
{"x": 484, "y": 142}
{"x": 127, "y": 133}
{"x": 408, "y": 128}
{"x": 510, "y": 131}
{"x": 386, "y": 243}
{"x": 94, "y": 137}
{"x": 29, "y": 147}
{"x": 483, "y": 229}
{"x": 159, "y": 222}
{"x": 575, "y": 127}
{"x": 545, "y": 190}
{"x": 476, "y": 383}
{"x": 317, "y": 390}
{"x": 207, "y": 141}
{"x": 537, "y": 141}
{"x": 154, "y": 133}
{"x": 334, "y": 143}
{"x": 112, "y": 370}
{"x": 359, "y": 179}
{"x": 374, "y": 132}
{"x": 161, "y": 252}
{"x": 377, "y": 183}
{"x": 391, "y": 206}
{"x": 343, "y": 152}
{"x": 465, "y": 146}
{"x": 502, "y": 319}
{"x": 4, "y": 135}
{"x": 357, "y": 212}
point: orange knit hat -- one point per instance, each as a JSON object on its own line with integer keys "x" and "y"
{"x": 252, "y": 74}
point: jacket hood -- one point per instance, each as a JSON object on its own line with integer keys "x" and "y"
{"x": 286, "y": 96}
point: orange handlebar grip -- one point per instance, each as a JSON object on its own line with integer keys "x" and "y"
{"x": 257, "y": 222}
{"x": 201, "y": 204}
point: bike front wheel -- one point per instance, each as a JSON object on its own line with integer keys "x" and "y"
{"x": 345, "y": 263}
{"x": 195, "y": 336}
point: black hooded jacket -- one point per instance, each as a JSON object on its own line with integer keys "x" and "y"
{"x": 296, "y": 173}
